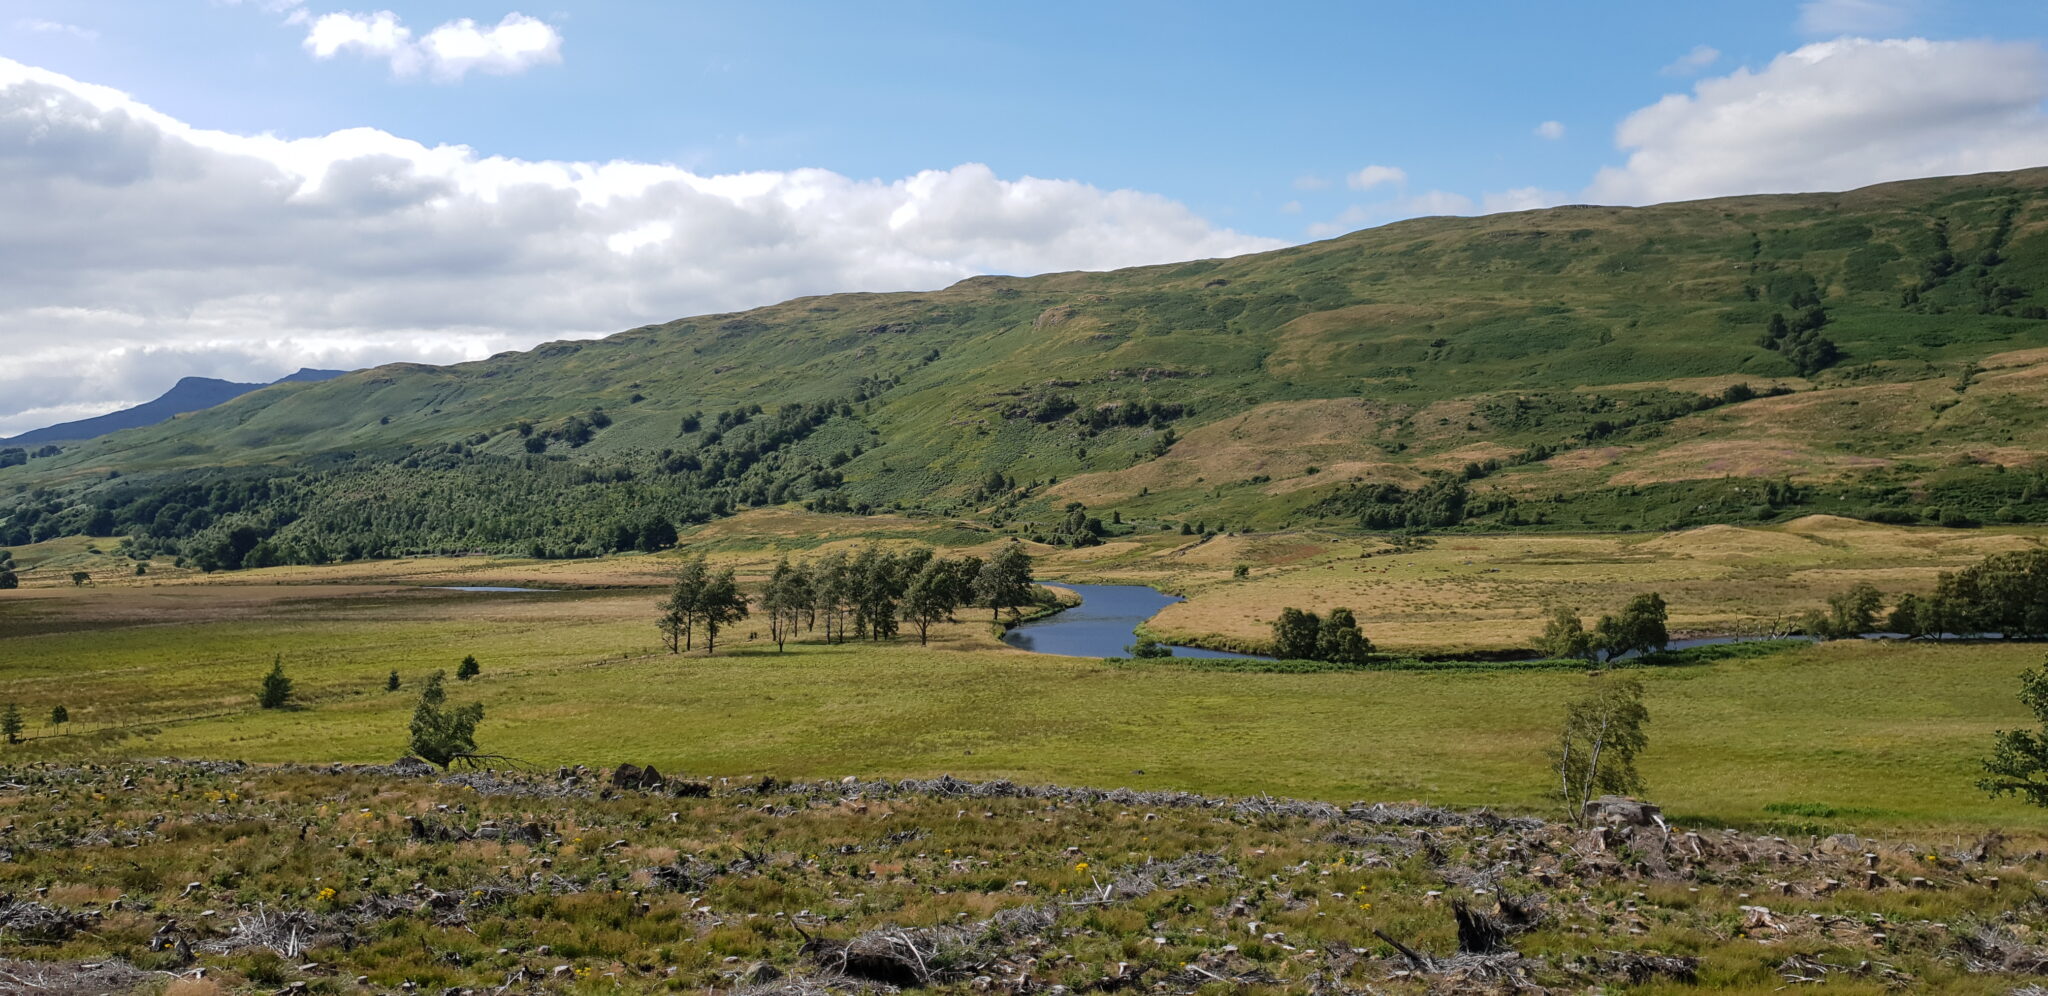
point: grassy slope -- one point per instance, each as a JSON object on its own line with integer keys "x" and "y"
{"x": 1383, "y": 347}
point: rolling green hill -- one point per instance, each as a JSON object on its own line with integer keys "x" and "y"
{"x": 1574, "y": 367}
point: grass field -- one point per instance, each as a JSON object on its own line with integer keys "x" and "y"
{"x": 1878, "y": 734}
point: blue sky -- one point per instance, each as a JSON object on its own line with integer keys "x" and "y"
{"x": 1221, "y": 107}
{"x": 268, "y": 183}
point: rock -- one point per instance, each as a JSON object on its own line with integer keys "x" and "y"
{"x": 1615, "y": 809}
{"x": 760, "y": 972}
{"x": 626, "y": 776}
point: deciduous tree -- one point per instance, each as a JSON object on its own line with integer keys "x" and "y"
{"x": 1598, "y": 742}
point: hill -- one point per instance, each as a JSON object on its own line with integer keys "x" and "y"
{"x": 1881, "y": 353}
{"x": 189, "y": 394}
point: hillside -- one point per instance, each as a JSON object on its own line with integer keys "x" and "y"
{"x": 1577, "y": 367}
{"x": 189, "y": 394}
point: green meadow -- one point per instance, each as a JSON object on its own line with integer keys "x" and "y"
{"x": 1844, "y": 734}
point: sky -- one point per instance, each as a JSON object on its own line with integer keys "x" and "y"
{"x": 237, "y": 188}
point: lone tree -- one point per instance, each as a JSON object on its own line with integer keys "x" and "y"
{"x": 2018, "y": 764}
{"x": 10, "y": 723}
{"x": 1598, "y": 742}
{"x": 1639, "y": 629}
{"x": 59, "y": 716}
{"x": 8, "y": 579}
{"x": 1565, "y": 637}
{"x": 441, "y": 734}
{"x": 468, "y": 669}
{"x": 277, "y": 689}
{"x": 80, "y": 579}
{"x": 1148, "y": 648}
{"x": 391, "y": 683}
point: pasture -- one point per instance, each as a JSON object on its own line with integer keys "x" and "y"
{"x": 1847, "y": 734}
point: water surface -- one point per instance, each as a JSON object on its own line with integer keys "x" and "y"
{"x": 482, "y": 587}
{"x": 1103, "y": 625}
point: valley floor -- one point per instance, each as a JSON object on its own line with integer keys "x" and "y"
{"x": 1830, "y": 736}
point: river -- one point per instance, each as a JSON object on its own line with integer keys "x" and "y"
{"x": 1103, "y": 625}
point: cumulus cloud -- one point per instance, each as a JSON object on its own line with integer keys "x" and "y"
{"x": 1311, "y": 182}
{"x": 1836, "y": 115}
{"x": 515, "y": 44}
{"x": 1552, "y": 130}
{"x": 1692, "y": 62}
{"x": 1849, "y": 17}
{"x": 138, "y": 248}
{"x": 1373, "y": 176}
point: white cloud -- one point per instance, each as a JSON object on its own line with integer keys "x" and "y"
{"x": 1521, "y": 199}
{"x": 1848, "y": 17}
{"x": 36, "y": 25}
{"x": 1291, "y": 207}
{"x": 1692, "y": 62}
{"x": 1311, "y": 182}
{"x": 1357, "y": 216}
{"x": 449, "y": 52}
{"x": 1552, "y": 130}
{"x": 1837, "y": 115}
{"x": 1373, "y": 176}
{"x": 138, "y": 248}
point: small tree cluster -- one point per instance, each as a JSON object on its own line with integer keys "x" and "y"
{"x": 698, "y": 597}
{"x": 1848, "y": 615}
{"x": 1639, "y": 628}
{"x": 1800, "y": 341}
{"x": 2006, "y": 593}
{"x": 1300, "y": 635}
{"x": 866, "y": 595}
{"x": 468, "y": 669}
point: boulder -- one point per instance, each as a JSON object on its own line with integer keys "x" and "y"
{"x": 1615, "y": 809}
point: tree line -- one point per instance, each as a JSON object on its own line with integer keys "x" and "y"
{"x": 866, "y": 595}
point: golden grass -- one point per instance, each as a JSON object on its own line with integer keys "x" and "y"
{"x": 1281, "y": 440}
{"x": 1493, "y": 592}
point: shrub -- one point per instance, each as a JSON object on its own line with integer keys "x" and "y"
{"x": 277, "y": 689}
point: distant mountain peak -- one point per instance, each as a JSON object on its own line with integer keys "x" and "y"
{"x": 189, "y": 394}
